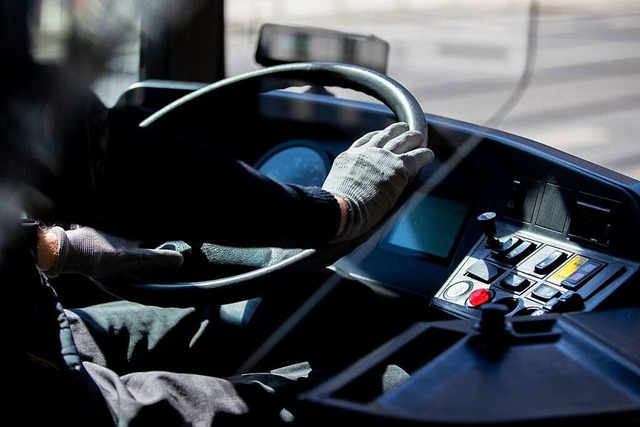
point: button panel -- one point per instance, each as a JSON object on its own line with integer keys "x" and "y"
{"x": 535, "y": 276}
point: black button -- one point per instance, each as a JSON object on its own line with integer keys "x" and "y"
{"x": 552, "y": 260}
{"x": 569, "y": 301}
{"x": 544, "y": 292}
{"x": 519, "y": 252}
{"x": 508, "y": 245}
{"x": 514, "y": 283}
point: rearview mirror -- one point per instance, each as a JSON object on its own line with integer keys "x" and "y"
{"x": 282, "y": 44}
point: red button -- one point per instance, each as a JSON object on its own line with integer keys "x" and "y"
{"x": 479, "y": 297}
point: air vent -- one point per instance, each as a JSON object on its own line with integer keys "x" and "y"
{"x": 593, "y": 220}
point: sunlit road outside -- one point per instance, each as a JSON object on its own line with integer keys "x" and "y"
{"x": 463, "y": 58}
{"x": 584, "y": 97}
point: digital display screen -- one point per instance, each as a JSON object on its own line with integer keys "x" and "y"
{"x": 429, "y": 225}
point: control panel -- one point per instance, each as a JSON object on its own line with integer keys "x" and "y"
{"x": 528, "y": 273}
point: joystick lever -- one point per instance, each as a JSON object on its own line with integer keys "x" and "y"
{"x": 488, "y": 220}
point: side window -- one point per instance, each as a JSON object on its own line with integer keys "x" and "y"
{"x": 53, "y": 20}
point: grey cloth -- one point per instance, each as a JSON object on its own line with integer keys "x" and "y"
{"x": 373, "y": 172}
{"x": 160, "y": 366}
{"x": 179, "y": 399}
{"x": 96, "y": 254}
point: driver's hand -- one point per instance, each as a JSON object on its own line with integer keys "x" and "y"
{"x": 92, "y": 253}
{"x": 373, "y": 172}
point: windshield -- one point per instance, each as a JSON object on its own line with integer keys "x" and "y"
{"x": 464, "y": 59}
{"x": 565, "y": 73}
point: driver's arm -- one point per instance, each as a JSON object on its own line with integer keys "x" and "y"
{"x": 136, "y": 182}
{"x": 364, "y": 182}
{"x": 344, "y": 215}
{"x": 47, "y": 249}
{"x": 195, "y": 192}
{"x": 93, "y": 253}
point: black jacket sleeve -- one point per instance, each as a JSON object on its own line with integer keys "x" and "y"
{"x": 148, "y": 185}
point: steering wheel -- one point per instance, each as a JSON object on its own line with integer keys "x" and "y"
{"x": 275, "y": 263}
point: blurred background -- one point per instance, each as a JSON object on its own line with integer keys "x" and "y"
{"x": 460, "y": 58}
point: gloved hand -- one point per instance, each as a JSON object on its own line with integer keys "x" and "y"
{"x": 96, "y": 254}
{"x": 373, "y": 172}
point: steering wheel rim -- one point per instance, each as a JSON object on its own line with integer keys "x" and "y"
{"x": 254, "y": 283}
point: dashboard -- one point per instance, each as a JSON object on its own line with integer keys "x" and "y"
{"x": 561, "y": 239}
{"x": 554, "y": 218}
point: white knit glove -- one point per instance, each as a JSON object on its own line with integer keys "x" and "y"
{"x": 96, "y": 254}
{"x": 373, "y": 172}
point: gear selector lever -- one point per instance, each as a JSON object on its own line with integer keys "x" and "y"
{"x": 488, "y": 220}
{"x": 510, "y": 249}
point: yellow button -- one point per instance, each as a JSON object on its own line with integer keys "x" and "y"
{"x": 568, "y": 269}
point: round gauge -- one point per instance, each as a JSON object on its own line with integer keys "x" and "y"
{"x": 296, "y": 163}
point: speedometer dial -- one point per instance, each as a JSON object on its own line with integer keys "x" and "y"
{"x": 296, "y": 164}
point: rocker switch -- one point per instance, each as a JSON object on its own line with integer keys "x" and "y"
{"x": 484, "y": 271}
{"x": 519, "y": 252}
{"x": 553, "y": 260}
{"x": 508, "y": 245}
